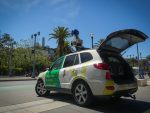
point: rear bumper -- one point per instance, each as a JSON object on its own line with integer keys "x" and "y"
{"x": 126, "y": 86}
{"x": 125, "y": 92}
{"x": 98, "y": 88}
{"x": 125, "y": 89}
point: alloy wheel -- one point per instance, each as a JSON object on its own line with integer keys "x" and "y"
{"x": 40, "y": 89}
{"x": 81, "y": 93}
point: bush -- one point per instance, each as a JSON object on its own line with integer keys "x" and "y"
{"x": 4, "y": 70}
{"x": 18, "y": 71}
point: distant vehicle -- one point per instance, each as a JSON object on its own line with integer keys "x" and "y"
{"x": 88, "y": 73}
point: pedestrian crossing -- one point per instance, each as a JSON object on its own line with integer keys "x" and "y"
{"x": 33, "y": 107}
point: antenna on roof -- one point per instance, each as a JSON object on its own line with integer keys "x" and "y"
{"x": 76, "y": 42}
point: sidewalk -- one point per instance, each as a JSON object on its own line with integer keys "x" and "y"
{"x": 16, "y": 78}
{"x": 145, "y": 81}
{"x": 148, "y": 82}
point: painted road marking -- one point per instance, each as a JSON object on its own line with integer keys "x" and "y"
{"x": 33, "y": 107}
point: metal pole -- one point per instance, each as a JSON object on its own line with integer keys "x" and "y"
{"x": 10, "y": 59}
{"x": 92, "y": 42}
{"x": 33, "y": 71}
{"x": 138, "y": 61}
{"x": 133, "y": 60}
{"x": 92, "y": 36}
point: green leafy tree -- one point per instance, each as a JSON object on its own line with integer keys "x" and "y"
{"x": 23, "y": 57}
{"x": 60, "y": 34}
{"x": 6, "y": 52}
{"x": 67, "y": 47}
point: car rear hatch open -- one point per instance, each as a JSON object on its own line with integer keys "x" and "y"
{"x": 120, "y": 40}
{"x": 110, "y": 51}
{"x": 120, "y": 70}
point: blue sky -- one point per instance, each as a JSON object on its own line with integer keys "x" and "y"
{"x": 22, "y": 18}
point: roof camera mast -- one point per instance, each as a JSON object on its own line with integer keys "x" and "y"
{"x": 76, "y": 42}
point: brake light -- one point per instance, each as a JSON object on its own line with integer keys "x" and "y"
{"x": 110, "y": 87}
{"x": 102, "y": 66}
{"x": 108, "y": 76}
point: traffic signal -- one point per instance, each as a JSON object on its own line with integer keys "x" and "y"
{"x": 33, "y": 51}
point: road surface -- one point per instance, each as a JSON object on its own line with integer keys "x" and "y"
{"x": 20, "y": 97}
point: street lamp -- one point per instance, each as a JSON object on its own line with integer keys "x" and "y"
{"x": 140, "y": 76}
{"x": 92, "y": 36}
{"x": 33, "y": 51}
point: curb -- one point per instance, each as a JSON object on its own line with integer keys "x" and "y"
{"x": 142, "y": 82}
{"x": 148, "y": 82}
{"x": 21, "y": 79}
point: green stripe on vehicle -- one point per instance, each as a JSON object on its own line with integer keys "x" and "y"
{"x": 52, "y": 76}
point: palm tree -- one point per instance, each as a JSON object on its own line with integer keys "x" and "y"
{"x": 60, "y": 34}
{"x": 67, "y": 48}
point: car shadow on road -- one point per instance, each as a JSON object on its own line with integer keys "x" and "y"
{"x": 61, "y": 97}
{"x": 106, "y": 105}
{"x": 123, "y": 105}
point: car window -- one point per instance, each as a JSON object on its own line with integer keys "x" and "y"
{"x": 71, "y": 60}
{"x": 85, "y": 57}
{"x": 118, "y": 43}
{"x": 113, "y": 59}
{"x": 57, "y": 64}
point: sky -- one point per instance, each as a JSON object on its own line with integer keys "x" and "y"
{"x": 22, "y": 18}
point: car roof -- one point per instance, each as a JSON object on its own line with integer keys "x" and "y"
{"x": 82, "y": 51}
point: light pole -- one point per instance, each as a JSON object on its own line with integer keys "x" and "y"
{"x": 92, "y": 36}
{"x": 138, "y": 62}
{"x": 10, "y": 58}
{"x": 33, "y": 51}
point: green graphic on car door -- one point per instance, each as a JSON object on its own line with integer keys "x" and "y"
{"x": 52, "y": 76}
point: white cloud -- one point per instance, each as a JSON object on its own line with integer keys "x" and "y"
{"x": 67, "y": 11}
{"x": 22, "y": 4}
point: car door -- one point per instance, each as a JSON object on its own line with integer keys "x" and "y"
{"x": 120, "y": 40}
{"x": 70, "y": 70}
{"x": 52, "y": 76}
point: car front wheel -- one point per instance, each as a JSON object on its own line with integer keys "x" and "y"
{"x": 40, "y": 89}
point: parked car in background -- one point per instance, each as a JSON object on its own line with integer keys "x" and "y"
{"x": 94, "y": 72}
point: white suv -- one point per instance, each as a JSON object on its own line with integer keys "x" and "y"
{"x": 88, "y": 73}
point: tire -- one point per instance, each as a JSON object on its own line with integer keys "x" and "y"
{"x": 82, "y": 94}
{"x": 40, "y": 89}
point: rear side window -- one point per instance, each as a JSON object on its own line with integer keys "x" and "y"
{"x": 71, "y": 60}
{"x": 85, "y": 57}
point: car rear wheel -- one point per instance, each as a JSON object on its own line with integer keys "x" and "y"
{"x": 82, "y": 94}
{"x": 40, "y": 89}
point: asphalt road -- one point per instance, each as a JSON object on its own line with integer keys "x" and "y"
{"x": 19, "y": 96}
{"x": 16, "y": 92}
